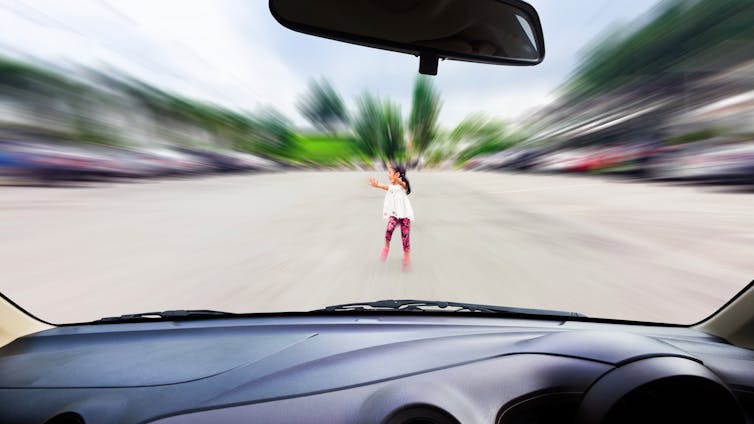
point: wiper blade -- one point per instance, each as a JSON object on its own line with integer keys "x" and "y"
{"x": 168, "y": 315}
{"x": 389, "y": 305}
{"x": 412, "y": 305}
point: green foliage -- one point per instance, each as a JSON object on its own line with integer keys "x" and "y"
{"x": 326, "y": 150}
{"x": 425, "y": 109}
{"x": 478, "y": 127}
{"x": 272, "y": 133}
{"x": 366, "y": 126}
{"x": 25, "y": 78}
{"x": 323, "y": 106}
{"x": 267, "y": 132}
{"x": 392, "y": 133}
{"x": 479, "y": 134}
{"x": 703, "y": 134}
{"x": 379, "y": 129}
{"x": 685, "y": 38}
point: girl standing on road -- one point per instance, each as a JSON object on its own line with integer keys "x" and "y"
{"x": 396, "y": 210}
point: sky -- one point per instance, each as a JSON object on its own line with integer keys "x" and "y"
{"x": 233, "y": 53}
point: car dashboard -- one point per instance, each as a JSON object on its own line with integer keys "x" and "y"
{"x": 381, "y": 368}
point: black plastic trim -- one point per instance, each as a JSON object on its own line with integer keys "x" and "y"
{"x": 403, "y": 48}
{"x": 613, "y": 386}
{"x": 392, "y": 313}
{"x": 384, "y": 313}
{"x": 536, "y": 400}
{"x": 420, "y": 410}
{"x": 24, "y": 311}
{"x": 302, "y": 314}
{"x": 66, "y": 418}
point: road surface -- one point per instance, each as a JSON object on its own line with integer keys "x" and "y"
{"x": 303, "y": 240}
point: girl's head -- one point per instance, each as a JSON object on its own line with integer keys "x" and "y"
{"x": 396, "y": 173}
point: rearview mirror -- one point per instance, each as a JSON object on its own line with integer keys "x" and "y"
{"x": 504, "y": 32}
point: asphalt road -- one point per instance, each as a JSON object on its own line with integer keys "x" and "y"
{"x": 303, "y": 240}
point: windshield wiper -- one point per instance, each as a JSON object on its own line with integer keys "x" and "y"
{"x": 413, "y": 305}
{"x": 168, "y": 315}
{"x": 390, "y": 305}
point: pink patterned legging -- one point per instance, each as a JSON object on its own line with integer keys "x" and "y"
{"x": 405, "y": 230}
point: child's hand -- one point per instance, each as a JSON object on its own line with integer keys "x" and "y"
{"x": 373, "y": 182}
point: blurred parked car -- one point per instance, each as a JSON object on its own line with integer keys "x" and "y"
{"x": 248, "y": 161}
{"x": 164, "y": 161}
{"x": 525, "y": 160}
{"x": 487, "y": 162}
{"x": 513, "y": 159}
{"x": 624, "y": 158}
{"x": 708, "y": 161}
{"x": 217, "y": 161}
{"x": 562, "y": 161}
{"x": 53, "y": 161}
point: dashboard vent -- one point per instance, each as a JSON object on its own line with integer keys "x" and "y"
{"x": 660, "y": 390}
{"x": 552, "y": 408}
{"x": 683, "y": 399}
{"x": 66, "y": 418}
{"x": 421, "y": 415}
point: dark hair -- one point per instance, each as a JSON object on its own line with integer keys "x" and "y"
{"x": 402, "y": 171}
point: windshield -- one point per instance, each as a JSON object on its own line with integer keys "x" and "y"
{"x": 169, "y": 155}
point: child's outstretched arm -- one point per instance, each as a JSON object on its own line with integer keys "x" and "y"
{"x": 374, "y": 183}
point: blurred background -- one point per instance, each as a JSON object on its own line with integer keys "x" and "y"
{"x": 614, "y": 179}
{"x": 669, "y": 96}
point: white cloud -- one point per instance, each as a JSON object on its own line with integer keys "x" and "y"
{"x": 188, "y": 47}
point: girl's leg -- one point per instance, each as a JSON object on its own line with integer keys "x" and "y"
{"x": 406, "y": 234}
{"x": 405, "y": 238}
{"x": 391, "y": 223}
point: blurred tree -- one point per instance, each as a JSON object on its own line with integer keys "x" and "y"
{"x": 663, "y": 60}
{"x": 366, "y": 126}
{"x": 379, "y": 129}
{"x": 480, "y": 134}
{"x": 440, "y": 150}
{"x": 273, "y": 133}
{"x": 392, "y": 132}
{"x": 684, "y": 38}
{"x": 55, "y": 101}
{"x": 425, "y": 109}
{"x": 323, "y": 106}
{"x": 87, "y": 110}
{"x": 267, "y": 132}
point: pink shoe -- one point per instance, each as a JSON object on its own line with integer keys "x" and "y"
{"x": 406, "y": 264}
{"x": 383, "y": 255}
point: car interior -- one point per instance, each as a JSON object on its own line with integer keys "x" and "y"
{"x": 376, "y": 364}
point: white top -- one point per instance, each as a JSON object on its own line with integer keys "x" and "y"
{"x": 396, "y": 203}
